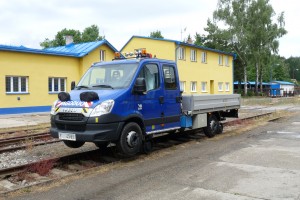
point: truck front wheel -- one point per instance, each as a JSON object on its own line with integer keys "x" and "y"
{"x": 213, "y": 126}
{"x": 73, "y": 144}
{"x": 130, "y": 141}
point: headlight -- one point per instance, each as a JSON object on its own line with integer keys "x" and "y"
{"x": 53, "y": 108}
{"x": 103, "y": 108}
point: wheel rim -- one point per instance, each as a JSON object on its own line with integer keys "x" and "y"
{"x": 214, "y": 125}
{"x": 132, "y": 139}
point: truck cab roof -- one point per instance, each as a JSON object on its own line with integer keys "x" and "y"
{"x": 128, "y": 61}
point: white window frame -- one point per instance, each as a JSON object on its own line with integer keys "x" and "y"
{"x": 19, "y": 85}
{"x": 59, "y": 84}
{"x": 193, "y": 55}
{"x": 182, "y": 86}
{"x": 102, "y": 55}
{"x": 227, "y": 87}
{"x": 220, "y": 86}
{"x": 204, "y": 57}
{"x": 181, "y": 53}
{"x": 203, "y": 86}
{"x": 226, "y": 60}
{"x": 193, "y": 86}
{"x": 220, "y": 59}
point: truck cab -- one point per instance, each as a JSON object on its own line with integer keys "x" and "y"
{"x": 124, "y": 102}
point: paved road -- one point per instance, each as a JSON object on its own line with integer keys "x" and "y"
{"x": 263, "y": 163}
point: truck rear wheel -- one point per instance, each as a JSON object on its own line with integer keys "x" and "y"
{"x": 130, "y": 141}
{"x": 73, "y": 144}
{"x": 213, "y": 126}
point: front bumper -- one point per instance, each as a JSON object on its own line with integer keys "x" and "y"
{"x": 86, "y": 131}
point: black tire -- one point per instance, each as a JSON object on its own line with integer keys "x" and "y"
{"x": 73, "y": 144}
{"x": 147, "y": 147}
{"x": 212, "y": 128}
{"x": 130, "y": 142}
{"x": 101, "y": 145}
{"x": 220, "y": 129}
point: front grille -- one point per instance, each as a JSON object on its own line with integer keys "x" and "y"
{"x": 71, "y": 116}
{"x": 70, "y": 127}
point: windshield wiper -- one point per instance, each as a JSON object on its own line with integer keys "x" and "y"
{"x": 82, "y": 86}
{"x": 103, "y": 86}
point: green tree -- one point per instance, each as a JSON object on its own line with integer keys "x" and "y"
{"x": 89, "y": 34}
{"x": 293, "y": 64}
{"x": 248, "y": 31}
{"x": 156, "y": 34}
{"x": 199, "y": 39}
{"x": 264, "y": 40}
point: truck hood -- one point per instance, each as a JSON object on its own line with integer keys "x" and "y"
{"x": 75, "y": 101}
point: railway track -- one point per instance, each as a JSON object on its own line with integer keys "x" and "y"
{"x": 24, "y": 129}
{"x": 22, "y": 142}
{"x": 60, "y": 166}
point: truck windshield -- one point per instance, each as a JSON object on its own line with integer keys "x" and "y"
{"x": 114, "y": 76}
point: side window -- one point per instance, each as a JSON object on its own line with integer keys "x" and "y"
{"x": 102, "y": 55}
{"x": 169, "y": 77}
{"x": 16, "y": 84}
{"x": 151, "y": 75}
{"x": 56, "y": 84}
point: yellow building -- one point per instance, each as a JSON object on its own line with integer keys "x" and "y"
{"x": 201, "y": 70}
{"x": 32, "y": 78}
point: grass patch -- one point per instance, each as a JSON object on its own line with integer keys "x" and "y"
{"x": 265, "y": 101}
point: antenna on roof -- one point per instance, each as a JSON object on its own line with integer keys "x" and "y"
{"x": 182, "y": 31}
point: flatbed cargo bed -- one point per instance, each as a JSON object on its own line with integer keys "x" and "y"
{"x": 196, "y": 104}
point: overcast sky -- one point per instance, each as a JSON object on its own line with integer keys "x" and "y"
{"x": 29, "y": 22}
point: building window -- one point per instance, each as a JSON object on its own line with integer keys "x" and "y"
{"x": 227, "y": 86}
{"x": 203, "y": 86}
{"x": 16, "y": 84}
{"x": 227, "y": 61}
{"x": 181, "y": 53}
{"x": 102, "y": 55}
{"x": 57, "y": 84}
{"x": 220, "y": 86}
{"x": 220, "y": 59}
{"x": 193, "y": 86}
{"x": 182, "y": 86}
{"x": 204, "y": 57}
{"x": 193, "y": 55}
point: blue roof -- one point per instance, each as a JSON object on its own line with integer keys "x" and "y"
{"x": 72, "y": 50}
{"x": 181, "y": 43}
{"x": 283, "y": 82}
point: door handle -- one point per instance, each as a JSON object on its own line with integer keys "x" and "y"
{"x": 161, "y": 99}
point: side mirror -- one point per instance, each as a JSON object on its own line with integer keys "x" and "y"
{"x": 72, "y": 85}
{"x": 139, "y": 86}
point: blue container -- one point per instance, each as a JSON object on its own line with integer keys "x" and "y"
{"x": 186, "y": 121}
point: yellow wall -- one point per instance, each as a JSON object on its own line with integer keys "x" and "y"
{"x": 189, "y": 71}
{"x": 94, "y": 56}
{"x": 206, "y": 72}
{"x": 38, "y": 68}
{"x": 159, "y": 48}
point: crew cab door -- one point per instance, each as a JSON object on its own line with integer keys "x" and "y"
{"x": 172, "y": 97}
{"x": 149, "y": 104}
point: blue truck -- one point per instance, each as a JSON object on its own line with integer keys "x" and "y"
{"x": 128, "y": 102}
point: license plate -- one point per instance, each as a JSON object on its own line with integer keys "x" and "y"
{"x": 67, "y": 136}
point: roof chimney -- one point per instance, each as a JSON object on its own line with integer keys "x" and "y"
{"x": 69, "y": 39}
{"x": 189, "y": 40}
